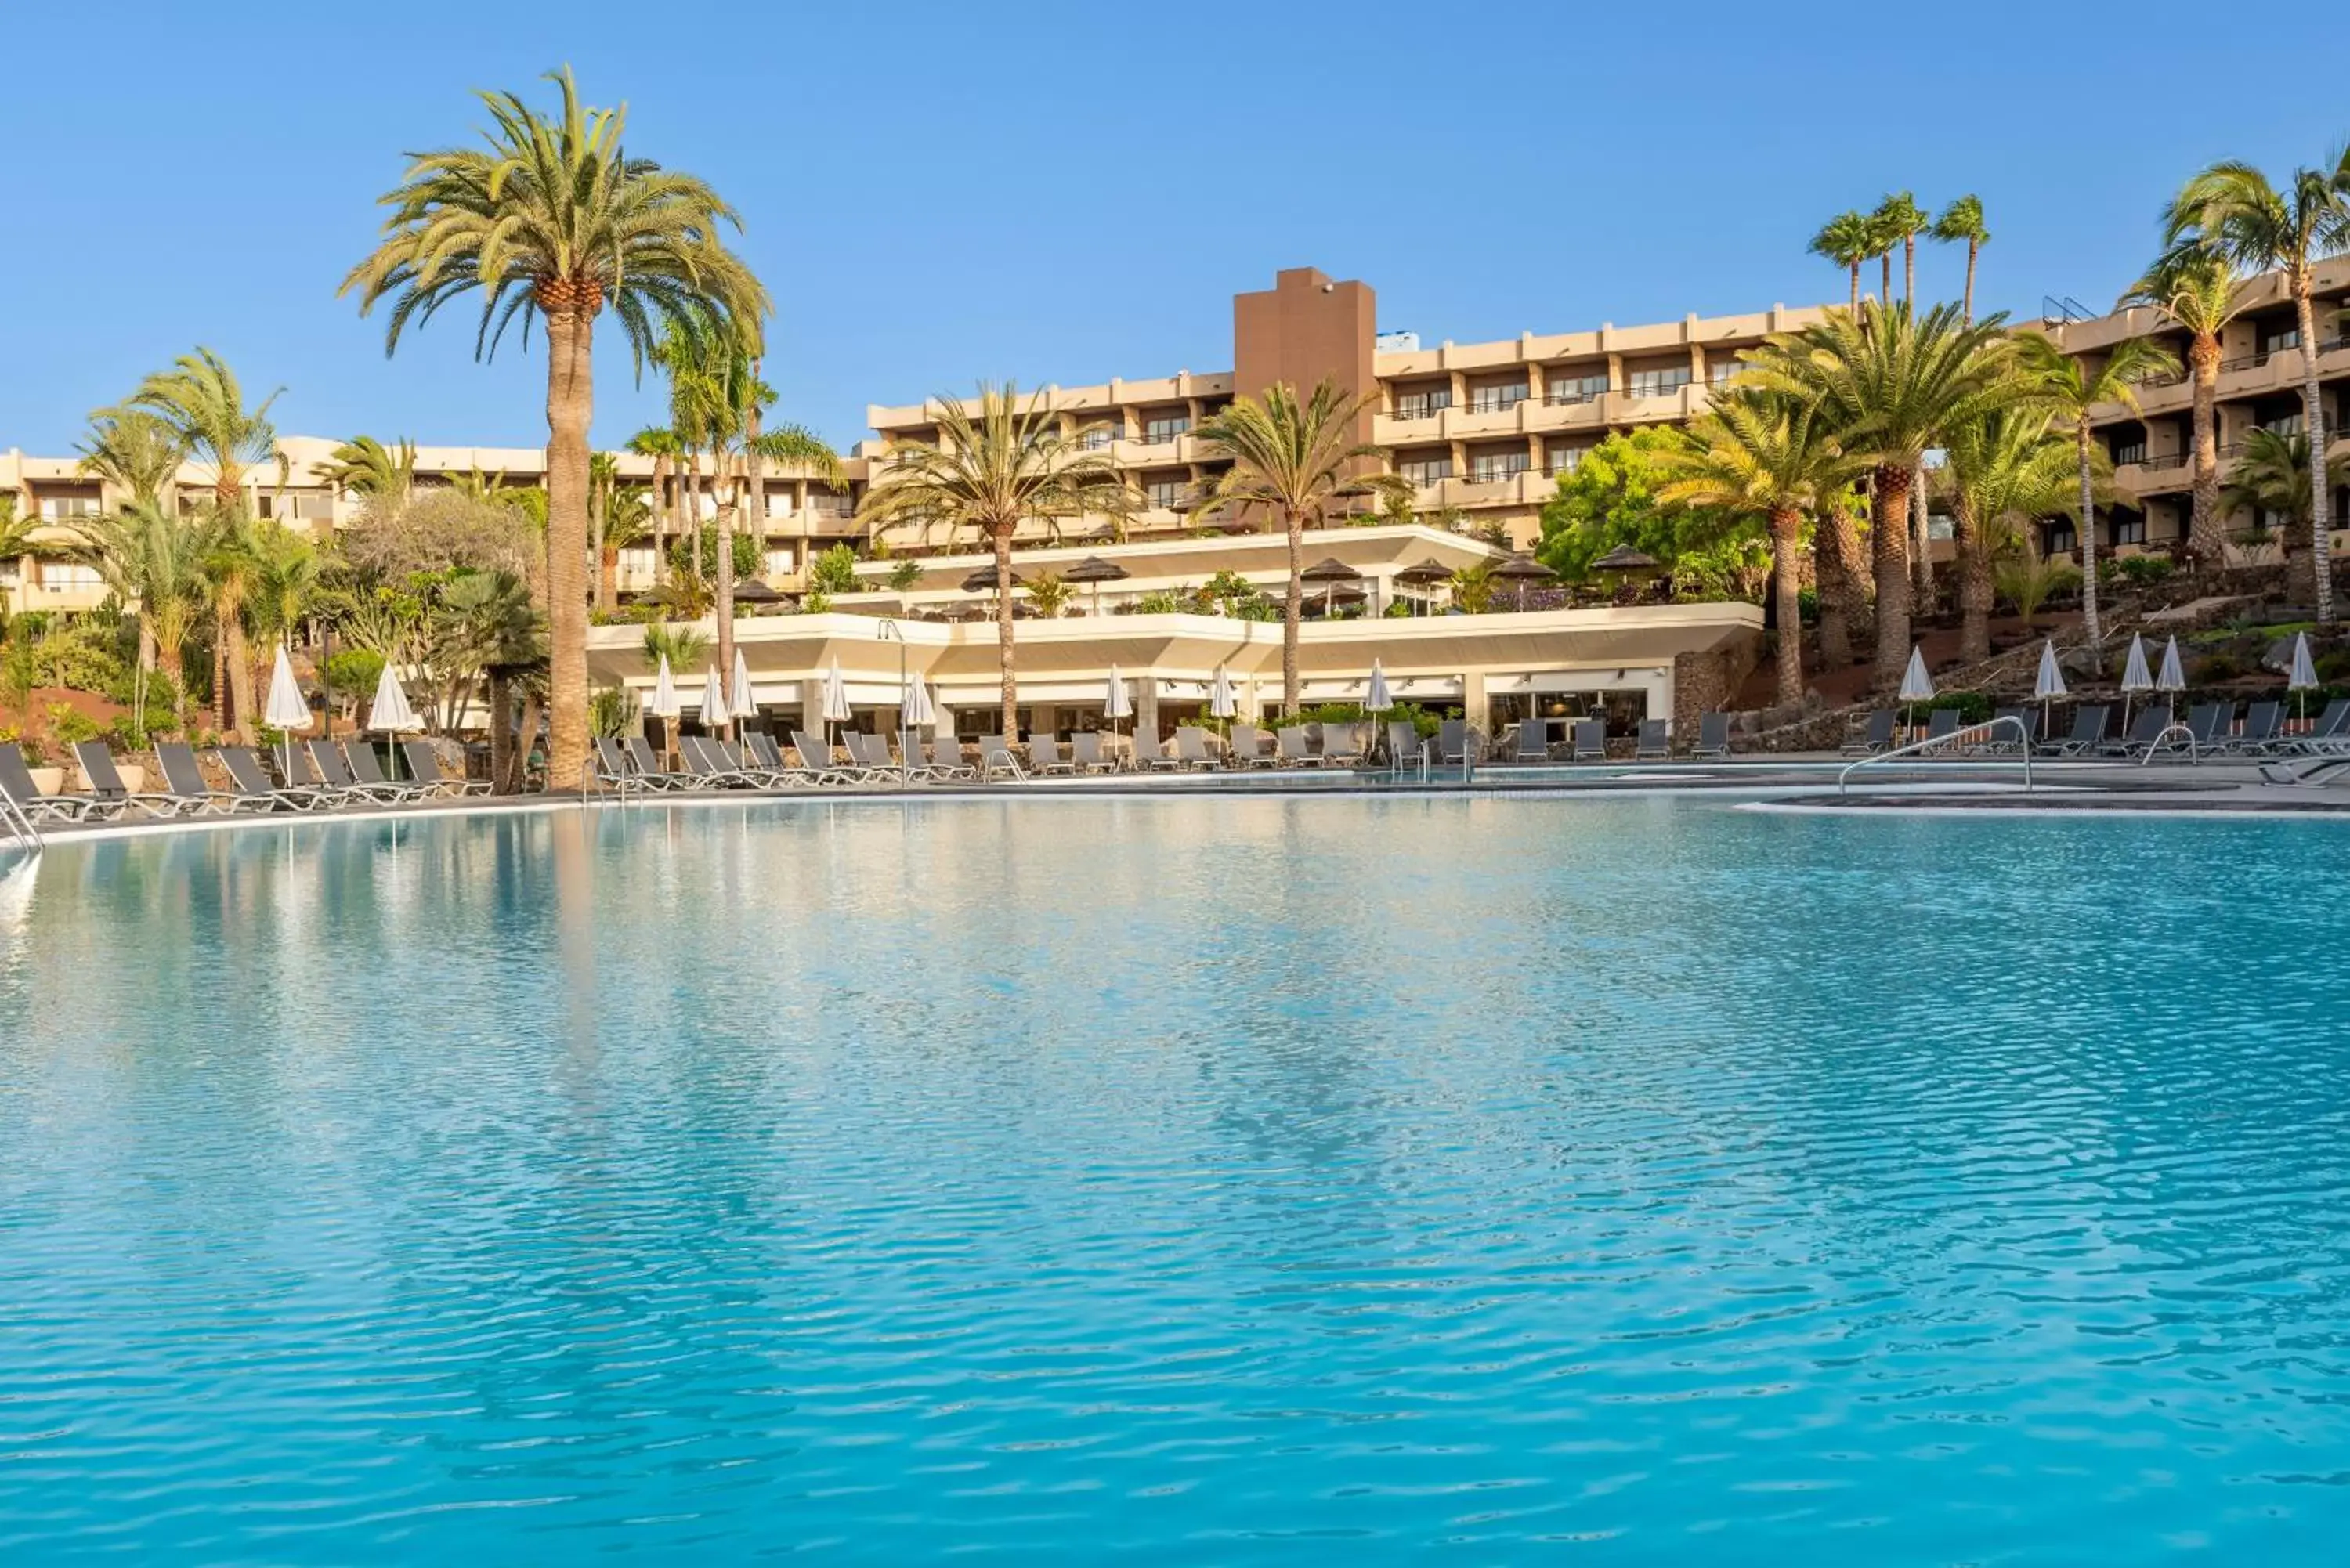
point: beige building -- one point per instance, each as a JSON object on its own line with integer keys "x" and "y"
{"x": 2261, "y": 371}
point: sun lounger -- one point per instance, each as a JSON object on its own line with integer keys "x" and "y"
{"x": 1942, "y": 723}
{"x": 183, "y": 780}
{"x": 646, "y": 767}
{"x": 1044, "y": 757}
{"x": 713, "y": 765}
{"x": 816, "y": 762}
{"x": 1296, "y": 748}
{"x": 872, "y": 754}
{"x": 1656, "y": 743}
{"x": 424, "y": 767}
{"x": 1405, "y": 748}
{"x": 1246, "y": 749}
{"x": 1453, "y": 741}
{"x": 1533, "y": 741}
{"x": 2004, "y": 737}
{"x": 1147, "y": 753}
{"x": 1085, "y": 753}
{"x": 946, "y": 761}
{"x": 2141, "y": 736}
{"x": 994, "y": 752}
{"x": 16, "y": 781}
{"x": 358, "y": 756}
{"x": 1342, "y": 745}
{"x": 253, "y": 782}
{"x": 105, "y": 785}
{"x": 2263, "y": 730}
{"x": 1712, "y": 735}
{"x": 1877, "y": 735}
{"x": 2089, "y": 725}
{"x": 326, "y": 760}
{"x": 2328, "y": 733}
{"x": 1587, "y": 740}
{"x": 1191, "y": 747}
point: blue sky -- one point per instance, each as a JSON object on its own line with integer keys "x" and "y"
{"x": 1062, "y": 193}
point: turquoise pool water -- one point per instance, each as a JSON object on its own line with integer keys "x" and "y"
{"x": 1236, "y": 1181}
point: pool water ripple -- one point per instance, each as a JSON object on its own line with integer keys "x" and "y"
{"x": 1234, "y": 1180}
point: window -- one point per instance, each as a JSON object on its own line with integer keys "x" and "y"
{"x": 1165, "y": 492}
{"x": 54, "y": 508}
{"x": 2276, "y": 338}
{"x": 1165, "y": 428}
{"x": 1096, "y": 437}
{"x": 1659, "y": 383}
{"x": 1491, "y": 468}
{"x": 2133, "y": 450}
{"x": 1567, "y": 459}
{"x": 779, "y": 503}
{"x": 779, "y": 562}
{"x": 2284, "y": 425}
{"x": 2129, "y": 530}
{"x": 1426, "y": 469}
{"x": 2061, "y": 539}
{"x": 1565, "y": 387}
{"x": 1721, "y": 370}
{"x": 1423, "y": 405}
{"x": 63, "y": 575}
{"x": 1496, "y": 399}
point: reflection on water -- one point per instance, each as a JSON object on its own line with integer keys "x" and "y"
{"x": 1205, "y": 1180}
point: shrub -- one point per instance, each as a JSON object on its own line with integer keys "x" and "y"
{"x": 815, "y": 601}
{"x": 126, "y": 735}
{"x": 1974, "y": 707}
{"x": 37, "y": 755}
{"x": 904, "y": 575}
{"x": 1162, "y": 602}
{"x": 354, "y": 670}
{"x": 834, "y": 571}
{"x": 69, "y": 726}
{"x": 1807, "y": 606}
{"x": 611, "y": 713}
{"x": 2145, "y": 569}
{"x": 1419, "y": 718}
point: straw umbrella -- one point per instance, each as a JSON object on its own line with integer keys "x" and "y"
{"x": 1428, "y": 574}
{"x": 2173, "y": 677}
{"x": 2050, "y": 683}
{"x": 391, "y": 713}
{"x": 287, "y": 708}
{"x": 1329, "y": 572}
{"x": 2304, "y": 677}
{"x": 1916, "y": 685}
{"x": 1525, "y": 572}
{"x": 2136, "y": 677}
{"x": 1095, "y": 571}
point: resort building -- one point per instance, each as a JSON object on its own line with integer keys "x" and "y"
{"x": 2260, "y": 372}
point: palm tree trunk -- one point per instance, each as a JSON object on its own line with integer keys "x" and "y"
{"x": 1294, "y": 524}
{"x": 2321, "y": 493}
{"x": 1002, "y": 535}
{"x": 501, "y": 706}
{"x": 245, "y": 714}
{"x": 570, "y": 404}
{"x": 1910, "y": 270}
{"x": 661, "y": 503}
{"x": 1974, "y": 248}
{"x": 1856, "y": 288}
{"x": 2089, "y": 625}
{"x": 220, "y": 709}
{"x": 1886, "y": 261}
{"x": 600, "y": 512}
{"x": 2207, "y": 542}
{"x": 1889, "y": 535}
{"x": 1974, "y": 581}
{"x": 523, "y": 733}
{"x": 1835, "y": 547}
{"x": 1786, "y": 545}
{"x": 1921, "y": 539}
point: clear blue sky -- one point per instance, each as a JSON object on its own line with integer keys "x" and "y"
{"x": 1062, "y": 193}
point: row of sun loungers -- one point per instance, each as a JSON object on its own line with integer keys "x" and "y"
{"x": 2210, "y": 727}
{"x": 322, "y": 775}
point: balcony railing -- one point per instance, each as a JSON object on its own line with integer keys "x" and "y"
{"x": 1562, "y": 397}
{"x": 2128, "y": 454}
{"x": 1497, "y": 475}
{"x": 1655, "y": 390}
{"x": 1418, "y": 411}
{"x": 1424, "y": 477}
{"x": 1500, "y": 401}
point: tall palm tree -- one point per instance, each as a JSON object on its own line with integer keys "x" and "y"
{"x": 1296, "y": 458}
{"x": 628, "y": 518}
{"x": 1848, "y": 239}
{"x": 2071, "y": 390}
{"x": 603, "y": 485}
{"x": 551, "y": 219}
{"x": 133, "y": 449}
{"x": 659, "y": 443}
{"x": 364, "y": 466}
{"x": 1961, "y": 223}
{"x": 2003, "y": 468}
{"x": 2272, "y": 477}
{"x": 1764, "y": 453}
{"x": 1891, "y": 382}
{"x": 232, "y": 572}
{"x": 2194, "y": 287}
{"x": 1899, "y": 221}
{"x": 504, "y": 635}
{"x": 1010, "y": 465}
{"x": 155, "y": 560}
{"x": 202, "y": 403}
{"x": 2232, "y": 209}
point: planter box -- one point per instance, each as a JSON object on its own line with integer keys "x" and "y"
{"x": 49, "y": 781}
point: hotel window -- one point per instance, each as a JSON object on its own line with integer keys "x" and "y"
{"x": 2273, "y": 339}
{"x": 1164, "y": 429}
{"x": 1565, "y": 459}
{"x": 779, "y": 503}
{"x": 1425, "y": 471}
{"x": 1496, "y": 399}
{"x": 2061, "y": 539}
{"x": 1491, "y": 468}
{"x": 1094, "y": 437}
{"x": 54, "y": 508}
{"x": 779, "y": 562}
{"x": 2132, "y": 451}
{"x": 1720, "y": 370}
{"x": 1571, "y": 389}
{"x": 1659, "y": 383}
{"x": 2129, "y": 530}
{"x": 63, "y": 575}
{"x": 2284, "y": 425}
{"x": 1423, "y": 405}
{"x": 1165, "y": 492}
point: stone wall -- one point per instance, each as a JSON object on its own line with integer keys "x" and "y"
{"x": 1706, "y": 682}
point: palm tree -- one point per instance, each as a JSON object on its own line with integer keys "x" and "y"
{"x": 2195, "y": 288}
{"x": 231, "y": 572}
{"x": 1899, "y": 220}
{"x": 1848, "y": 239}
{"x": 364, "y": 466}
{"x": 1010, "y": 465}
{"x": 16, "y": 542}
{"x": 2071, "y": 390}
{"x": 1295, "y": 458}
{"x": 551, "y": 219}
{"x": 2233, "y": 210}
{"x": 1890, "y": 382}
{"x": 503, "y": 636}
{"x": 1763, "y": 454}
{"x": 1961, "y": 223}
{"x": 2271, "y": 478}
{"x": 659, "y": 443}
{"x": 2003, "y": 468}
{"x": 155, "y": 560}
{"x": 202, "y": 401}
{"x": 133, "y": 449}
{"x": 628, "y": 518}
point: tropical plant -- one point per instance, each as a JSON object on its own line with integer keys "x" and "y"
{"x": 503, "y": 634}
{"x": 1297, "y": 459}
{"x": 365, "y": 467}
{"x": 551, "y": 219}
{"x": 1849, "y": 239}
{"x": 1008, "y": 465}
{"x": 134, "y": 449}
{"x": 684, "y": 646}
{"x": 2271, "y": 479}
{"x": 611, "y": 713}
{"x": 1961, "y": 223}
{"x": 2028, "y": 582}
{"x": 1766, "y": 454}
{"x": 2000, "y": 470}
{"x": 1612, "y": 498}
{"x": 286, "y": 580}
{"x": 1473, "y": 588}
{"x": 155, "y": 560}
{"x": 905, "y": 574}
{"x": 2195, "y": 287}
{"x": 1898, "y": 220}
{"x": 659, "y": 443}
{"x": 231, "y": 571}
{"x": 2233, "y": 211}
{"x": 1049, "y": 594}
{"x": 16, "y": 541}
{"x": 834, "y": 570}
{"x": 2072, "y": 388}
{"x": 1891, "y": 382}
{"x": 202, "y": 404}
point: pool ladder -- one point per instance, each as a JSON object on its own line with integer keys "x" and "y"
{"x": 19, "y": 826}
{"x": 2022, "y": 735}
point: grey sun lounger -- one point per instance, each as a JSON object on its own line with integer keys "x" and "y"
{"x": 2327, "y": 734}
{"x": 2141, "y": 736}
{"x": 1246, "y": 748}
{"x": 1712, "y": 735}
{"x": 1044, "y": 757}
{"x": 711, "y": 766}
{"x": 105, "y": 785}
{"x": 1192, "y": 749}
{"x": 1294, "y": 747}
{"x": 1587, "y": 740}
{"x": 16, "y": 782}
{"x": 2000, "y": 738}
{"x": 763, "y": 756}
{"x": 1149, "y": 753}
{"x": 253, "y": 783}
{"x": 645, "y": 768}
{"x": 2207, "y": 720}
{"x": 1656, "y": 742}
{"x": 359, "y": 757}
{"x": 871, "y": 752}
{"x": 1532, "y": 743}
{"x": 816, "y": 762}
{"x": 947, "y": 763}
{"x": 996, "y": 751}
{"x": 1942, "y": 723}
{"x": 1405, "y": 748}
{"x": 2263, "y": 729}
{"x": 335, "y": 773}
{"x": 1085, "y": 753}
{"x": 2089, "y": 725}
{"x": 185, "y": 781}
{"x": 1453, "y": 741}
{"x": 424, "y": 767}
{"x": 1342, "y": 745}
{"x": 1877, "y": 734}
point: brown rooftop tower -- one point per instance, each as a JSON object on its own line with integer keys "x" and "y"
{"x": 1301, "y": 330}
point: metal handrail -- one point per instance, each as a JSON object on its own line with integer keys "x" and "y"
{"x": 19, "y": 823}
{"x": 2164, "y": 734}
{"x": 1986, "y": 727}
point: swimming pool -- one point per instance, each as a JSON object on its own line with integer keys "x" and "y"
{"x": 1236, "y": 1180}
